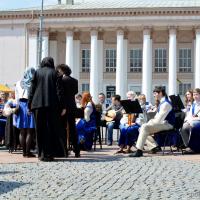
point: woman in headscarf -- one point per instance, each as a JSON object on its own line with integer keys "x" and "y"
{"x": 24, "y": 119}
{"x": 46, "y": 99}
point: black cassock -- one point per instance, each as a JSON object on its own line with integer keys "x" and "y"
{"x": 46, "y": 99}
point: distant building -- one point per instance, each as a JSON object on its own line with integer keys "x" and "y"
{"x": 111, "y": 46}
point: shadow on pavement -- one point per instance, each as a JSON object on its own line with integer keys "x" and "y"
{"x": 7, "y": 186}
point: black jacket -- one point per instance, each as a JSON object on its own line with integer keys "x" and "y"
{"x": 70, "y": 86}
{"x": 46, "y": 90}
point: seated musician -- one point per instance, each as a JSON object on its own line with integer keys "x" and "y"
{"x": 114, "y": 115}
{"x": 85, "y": 126}
{"x": 104, "y": 103}
{"x": 163, "y": 120}
{"x": 129, "y": 126}
{"x": 192, "y": 119}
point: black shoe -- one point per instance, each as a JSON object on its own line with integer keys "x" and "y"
{"x": 30, "y": 155}
{"x": 77, "y": 155}
{"x": 155, "y": 150}
{"x": 138, "y": 153}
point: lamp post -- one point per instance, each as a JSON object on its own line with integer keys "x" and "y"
{"x": 40, "y": 33}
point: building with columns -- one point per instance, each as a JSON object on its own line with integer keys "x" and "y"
{"x": 111, "y": 46}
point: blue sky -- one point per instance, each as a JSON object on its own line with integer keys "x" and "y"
{"x": 15, "y": 4}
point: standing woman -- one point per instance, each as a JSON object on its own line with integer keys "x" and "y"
{"x": 46, "y": 100}
{"x": 24, "y": 119}
{"x": 86, "y": 125}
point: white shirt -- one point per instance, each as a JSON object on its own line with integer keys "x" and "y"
{"x": 164, "y": 110}
{"x": 189, "y": 116}
{"x": 20, "y": 92}
{"x": 88, "y": 111}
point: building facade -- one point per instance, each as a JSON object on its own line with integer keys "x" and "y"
{"x": 111, "y": 48}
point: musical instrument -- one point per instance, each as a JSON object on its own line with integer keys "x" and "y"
{"x": 110, "y": 116}
{"x": 131, "y": 119}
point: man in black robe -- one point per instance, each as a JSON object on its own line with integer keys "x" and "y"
{"x": 46, "y": 100}
{"x": 70, "y": 86}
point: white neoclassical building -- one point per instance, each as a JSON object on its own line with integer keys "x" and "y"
{"x": 112, "y": 46}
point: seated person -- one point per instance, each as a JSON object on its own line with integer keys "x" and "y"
{"x": 3, "y": 100}
{"x": 104, "y": 103}
{"x": 114, "y": 115}
{"x": 188, "y": 101}
{"x": 131, "y": 95}
{"x": 86, "y": 125}
{"x": 78, "y": 99}
{"x": 164, "y": 120}
{"x": 192, "y": 119}
{"x": 130, "y": 132}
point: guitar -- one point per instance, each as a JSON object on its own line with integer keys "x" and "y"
{"x": 110, "y": 116}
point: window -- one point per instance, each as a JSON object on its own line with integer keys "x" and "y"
{"x": 185, "y": 60}
{"x": 85, "y": 87}
{"x": 85, "y": 60}
{"x": 110, "y": 91}
{"x": 160, "y": 60}
{"x": 136, "y": 60}
{"x": 183, "y": 88}
{"x": 110, "y": 60}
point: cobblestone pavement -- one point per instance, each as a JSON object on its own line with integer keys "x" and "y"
{"x": 108, "y": 177}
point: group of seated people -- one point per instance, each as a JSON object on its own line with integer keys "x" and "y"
{"x": 140, "y": 132}
{"x": 136, "y": 129}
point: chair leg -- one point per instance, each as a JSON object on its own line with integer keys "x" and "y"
{"x": 95, "y": 139}
{"x": 106, "y": 135}
{"x": 101, "y": 128}
{"x": 118, "y": 134}
{"x": 163, "y": 152}
{"x": 99, "y": 133}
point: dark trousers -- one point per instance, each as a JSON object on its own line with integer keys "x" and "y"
{"x": 49, "y": 133}
{"x": 71, "y": 127}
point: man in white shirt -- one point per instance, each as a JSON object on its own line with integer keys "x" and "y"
{"x": 163, "y": 120}
{"x": 192, "y": 118}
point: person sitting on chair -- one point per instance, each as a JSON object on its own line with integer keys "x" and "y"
{"x": 86, "y": 125}
{"x": 114, "y": 115}
{"x": 164, "y": 120}
{"x": 129, "y": 127}
{"x": 192, "y": 119}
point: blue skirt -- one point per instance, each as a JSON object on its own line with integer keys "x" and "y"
{"x": 129, "y": 135}
{"x": 85, "y": 132}
{"x": 23, "y": 119}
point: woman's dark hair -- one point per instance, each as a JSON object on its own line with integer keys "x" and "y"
{"x": 161, "y": 89}
{"x": 65, "y": 69}
{"x": 47, "y": 62}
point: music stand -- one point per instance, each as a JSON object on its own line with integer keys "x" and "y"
{"x": 177, "y": 103}
{"x": 131, "y": 106}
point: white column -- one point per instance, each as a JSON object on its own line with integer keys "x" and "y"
{"x": 172, "y": 80}
{"x": 45, "y": 45}
{"x": 70, "y": 50}
{"x": 76, "y": 61}
{"x": 147, "y": 65}
{"x": 32, "y": 49}
{"x": 197, "y": 60}
{"x": 121, "y": 68}
{"x": 100, "y": 65}
{"x": 94, "y": 80}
